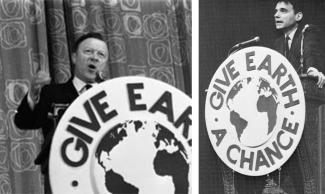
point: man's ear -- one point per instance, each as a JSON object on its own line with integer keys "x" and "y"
{"x": 299, "y": 16}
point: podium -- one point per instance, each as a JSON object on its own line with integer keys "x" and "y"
{"x": 311, "y": 149}
{"x": 116, "y": 138}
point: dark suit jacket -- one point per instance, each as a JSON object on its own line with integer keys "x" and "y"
{"x": 27, "y": 119}
{"x": 314, "y": 55}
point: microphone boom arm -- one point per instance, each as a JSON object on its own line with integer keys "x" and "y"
{"x": 301, "y": 68}
{"x": 242, "y": 44}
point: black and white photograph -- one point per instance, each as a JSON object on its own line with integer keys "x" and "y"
{"x": 261, "y": 97}
{"x": 95, "y": 96}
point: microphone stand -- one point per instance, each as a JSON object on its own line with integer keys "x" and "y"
{"x": 99, "y": 77}
{"x": 243, "y": 44}
{"x": 233, "y": 50}
{"x": 301, "y": 71}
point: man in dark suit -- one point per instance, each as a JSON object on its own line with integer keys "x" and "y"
{"x": 36, "y": 110}
{"x": 288, "y": 16}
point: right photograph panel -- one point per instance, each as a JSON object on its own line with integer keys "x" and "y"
{"x": 262, "y": 97}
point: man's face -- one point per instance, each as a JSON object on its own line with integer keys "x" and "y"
{"x": 90, "y": 58}
{"x": 285, "y": 16}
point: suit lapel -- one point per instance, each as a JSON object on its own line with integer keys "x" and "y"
{"x": 294, "y": 54}
{"x": 280, "y": 44}
{"x": 295, "y": 45}
{"x": 70, "y": 91}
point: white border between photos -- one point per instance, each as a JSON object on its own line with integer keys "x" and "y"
{"x": 195, "y": 96}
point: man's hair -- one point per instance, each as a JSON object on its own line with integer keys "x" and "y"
{"x": 296, "y": 4}
{"x": 84, "y": 37}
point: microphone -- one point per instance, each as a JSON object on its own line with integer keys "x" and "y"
{"x": 242, "y": 44}
{"x": 99, "y": 77}
{"x": 254, "y": 40}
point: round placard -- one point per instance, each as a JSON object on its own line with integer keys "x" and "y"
{"x": 125, "y": 135}
{"x": 255, "y": 111}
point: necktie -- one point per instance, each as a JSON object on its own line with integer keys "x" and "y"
{"x": 85, "y": 88}
{"x": 286, "y": 46}
{"x": 88, "y": 86}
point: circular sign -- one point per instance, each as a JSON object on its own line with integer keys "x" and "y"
{"x": 125, "y": 135}
{"x": 255, "y": 111}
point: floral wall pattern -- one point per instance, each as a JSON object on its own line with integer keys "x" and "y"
{"x": 145, "y": 38}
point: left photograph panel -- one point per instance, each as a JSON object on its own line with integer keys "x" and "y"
{"x": 96, "y": 96}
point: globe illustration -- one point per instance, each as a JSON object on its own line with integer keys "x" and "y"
{"x": 143, "y": 157}
{"x": 253, "y": 107}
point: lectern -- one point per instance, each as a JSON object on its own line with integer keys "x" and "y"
{"x": 311, "y": 147}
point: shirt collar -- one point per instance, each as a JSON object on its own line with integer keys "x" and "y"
{"x": 292, "y": 33}
{"x": 79, "y": 84}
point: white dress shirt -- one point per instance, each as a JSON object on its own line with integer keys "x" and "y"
{"x": 291, "y": 35}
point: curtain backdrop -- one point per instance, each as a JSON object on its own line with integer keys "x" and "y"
{"x": 145, "y": 38}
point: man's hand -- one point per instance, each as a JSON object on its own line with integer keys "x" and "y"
{"x": 38, "y": 81}
{"x": 315, "y": 73}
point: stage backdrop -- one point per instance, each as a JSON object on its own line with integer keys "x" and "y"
{"x": 224, "y": 23}
{"x": 145, "y": 38}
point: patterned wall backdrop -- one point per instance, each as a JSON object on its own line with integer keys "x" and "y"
{"x": 145, "y": 38}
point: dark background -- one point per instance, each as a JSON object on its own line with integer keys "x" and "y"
{"x": 222, "y": 24}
